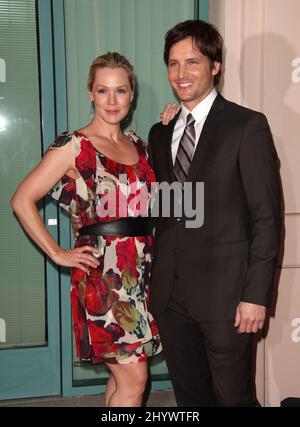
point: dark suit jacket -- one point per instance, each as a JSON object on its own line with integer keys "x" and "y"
{"x": 232, "y": 257}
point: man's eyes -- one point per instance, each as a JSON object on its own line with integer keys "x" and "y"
{"x": 189, "y": 62}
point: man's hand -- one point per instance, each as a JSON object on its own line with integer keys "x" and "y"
{"x": 76, "y": 226}
{"x": 249, "y": 317}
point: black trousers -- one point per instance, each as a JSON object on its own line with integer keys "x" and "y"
{"x": 209, "y": 362}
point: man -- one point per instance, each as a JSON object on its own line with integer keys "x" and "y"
{"x": 211, "y": 285}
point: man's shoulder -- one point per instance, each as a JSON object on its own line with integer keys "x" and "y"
{"x": 156, "y": 131}
{"x": 157, "y": 127}
{"x": 239, "y": 116}
{"x": 243, "y": 111}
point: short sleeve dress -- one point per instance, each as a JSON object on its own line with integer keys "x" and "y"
{"x": 112, "y": 323}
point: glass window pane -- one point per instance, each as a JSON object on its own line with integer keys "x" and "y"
{"x": 22, "y": 266}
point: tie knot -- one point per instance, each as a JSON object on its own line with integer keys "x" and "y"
{"x": 190, "y": 120}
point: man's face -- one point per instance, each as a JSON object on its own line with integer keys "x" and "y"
{"x": 190, "y": 73}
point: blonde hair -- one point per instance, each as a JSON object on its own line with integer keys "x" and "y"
{"x": 111, "y": 60}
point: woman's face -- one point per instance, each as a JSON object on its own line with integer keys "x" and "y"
{"x": 111, "y": 94}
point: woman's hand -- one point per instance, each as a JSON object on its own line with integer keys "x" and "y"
{"x": 169, "y": 113}
{"x": 78, "y": 257}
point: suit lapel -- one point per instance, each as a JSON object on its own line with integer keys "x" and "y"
{"x": 208, "y": 134}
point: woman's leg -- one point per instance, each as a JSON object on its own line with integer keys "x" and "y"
{"x": 110, "y": 389}
{"x": 130, "y": 381}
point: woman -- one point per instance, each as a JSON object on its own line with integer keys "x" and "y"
{"x": 101, "y": 175}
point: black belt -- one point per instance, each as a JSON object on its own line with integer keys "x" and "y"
{"x": 121, "y": 227}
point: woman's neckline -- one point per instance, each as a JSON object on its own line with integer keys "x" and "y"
{"x": 103, "y": 155}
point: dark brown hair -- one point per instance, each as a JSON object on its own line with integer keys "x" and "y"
{"x": 205, "y": 36}
{"x": 111, "y": 60}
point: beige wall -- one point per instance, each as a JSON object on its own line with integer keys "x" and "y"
{"x": 262, "y": 71}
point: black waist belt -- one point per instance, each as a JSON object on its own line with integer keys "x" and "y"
{"x": 121, "y": 227}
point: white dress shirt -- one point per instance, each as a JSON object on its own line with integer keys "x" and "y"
{"x": 200, "y": 112}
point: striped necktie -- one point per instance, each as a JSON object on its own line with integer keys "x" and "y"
{"x": 185, "y": 150}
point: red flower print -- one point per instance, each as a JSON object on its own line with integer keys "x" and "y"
{"x": 154, "y": 328}
{"x": 126, "y": 257}
{"x": 98, "y": 296}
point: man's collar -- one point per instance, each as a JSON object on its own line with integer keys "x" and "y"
{"x": 202, "y": 109}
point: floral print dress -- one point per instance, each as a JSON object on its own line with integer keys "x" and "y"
{"x": 109, "y": 303}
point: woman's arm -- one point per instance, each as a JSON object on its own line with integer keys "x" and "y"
{"x": 34, "y": 187}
